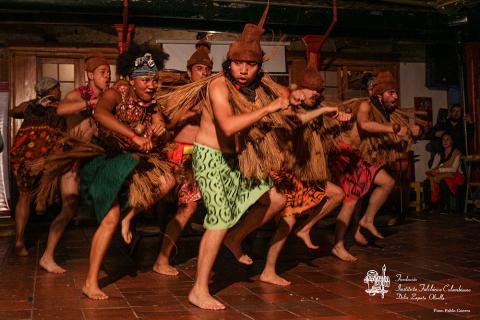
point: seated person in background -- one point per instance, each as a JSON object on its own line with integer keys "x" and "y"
{"x": 454, "y": 125}
{"x": 446, "y": 174}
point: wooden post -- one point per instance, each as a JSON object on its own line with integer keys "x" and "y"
{"x": 124, "y": 30}
{"x": 472, "y": 62}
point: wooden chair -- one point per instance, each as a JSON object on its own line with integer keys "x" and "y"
{"x": 469, "y": 161}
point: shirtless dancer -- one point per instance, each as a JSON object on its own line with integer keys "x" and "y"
{"x": 377, "y": 125}
{"x": 77, "y": 107}
{"x": 227, "y": 194}
{"x": 305, "y": 197}
{"x": 199, "y": 66}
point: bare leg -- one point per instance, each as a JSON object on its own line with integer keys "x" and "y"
{"x": 172, "y": 232}
{"x": 269, "y": 273}
{"x": 209, "y": 246}
{"x": 385, "y": 184}
{"x": 22, "y": 213}
{"x": 335, "y": 196}
{"x": 165, "y": 185}
{"x": 359, "y": 237}
{"x": 69, "y": 191}
{"x": 343, "y": 220}
{"x": 125, "y": 225}
{"x": 269, "y": 205}
{"x": 101, "y": 240}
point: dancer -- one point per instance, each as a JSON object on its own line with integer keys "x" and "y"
{"x": 301, "y": 196}
{"x": 239, "y": 103}
{"x": 380, "y": 134}
{"x": 36, "y": 139}
{"x": 130, "y": 176}
{"x": 199, "y": 67}
{"x": 77, "y": 107}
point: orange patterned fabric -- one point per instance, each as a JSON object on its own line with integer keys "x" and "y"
{"x": 32, "y": 144}
{"x": 300, "y": 196}
{"x": 187, "y": 189}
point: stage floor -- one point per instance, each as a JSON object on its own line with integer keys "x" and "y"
{"x": 433, "y": 266}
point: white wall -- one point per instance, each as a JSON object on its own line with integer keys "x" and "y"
{"x": 412, "y": 84}
{"x": 181, "y": 50}
{"x": 4, "y": 165}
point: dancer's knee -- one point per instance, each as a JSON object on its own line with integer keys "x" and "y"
{"x": 277, "y": 200}
{"x": 185, "y": 212}
{"x": 289, "y": 222}
{"x": 110, "y": 221}
{"x": 338, "y": 196}
{"x": 389, "y": 183}
{"x": 167, "y": 184}
{"x": 335, "y": 194}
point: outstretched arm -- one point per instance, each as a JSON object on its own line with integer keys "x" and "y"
{"x": 368, "y": 125}
{"x": 310, "y": 115}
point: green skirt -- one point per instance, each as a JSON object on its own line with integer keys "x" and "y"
{"x": 102, "y": 181}
{"x": 227, "y": 195}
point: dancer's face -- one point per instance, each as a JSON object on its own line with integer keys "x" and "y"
{"x": 199, "y": 72}
{"x": 55, "y": 92}
{"x": 311, "y": 98}
{"x": 244, "y": 71}
{"x": 389, "y": 99}
{"x": 100, "y": 77}
{"x": 145, "y": 87}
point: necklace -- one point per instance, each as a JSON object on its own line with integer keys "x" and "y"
{"x": 140, "y": 127}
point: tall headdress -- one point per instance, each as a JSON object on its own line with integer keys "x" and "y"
{"x": 384, "y": 82}
{"x": 247, "y": 46}
{"x": 201, "y": 55}
{"x": 311, "y": 78}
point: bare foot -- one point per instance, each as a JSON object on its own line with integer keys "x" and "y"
{"x": 126, "y": 233}
{"x": 236, "y": 248}
{"x": 370, "y": 227}
{"x": 360, "y": 238}
{"x": 305, "y": 236}
{"x": 273, "y": 278}
{"x": 21, "y": 250}
{"x": 165, "y": 269}
{"x": 204, "y": 300}
{"x": 94, "y": 292}
{"x": 50, "y": 266}
{"x": 340, "y": 252}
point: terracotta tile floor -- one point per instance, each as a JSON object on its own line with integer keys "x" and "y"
{"x": 443, "y": 252}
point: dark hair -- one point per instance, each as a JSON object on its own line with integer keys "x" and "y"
{"x": 126, "y": 60}
{"x": 446, "y": 133}
{"x": 367, "y": 76}
{"x": 456, "y": 105}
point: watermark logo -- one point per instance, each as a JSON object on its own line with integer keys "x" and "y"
{"x": 377, "y": 283}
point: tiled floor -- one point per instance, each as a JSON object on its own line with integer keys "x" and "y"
{"x": 440, "y": 253}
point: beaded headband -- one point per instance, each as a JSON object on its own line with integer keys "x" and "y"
{"x": 144, "y": 66}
